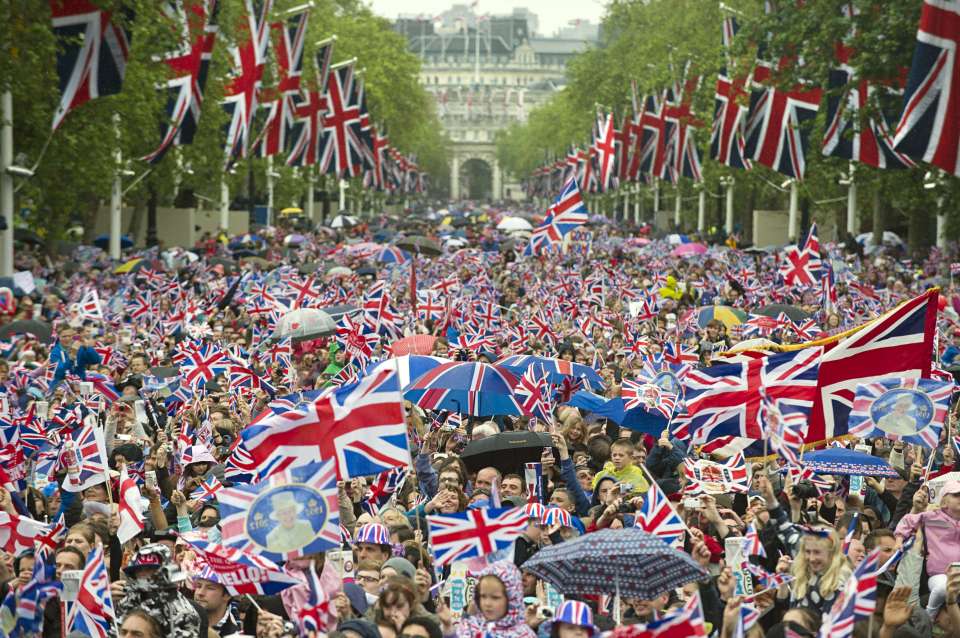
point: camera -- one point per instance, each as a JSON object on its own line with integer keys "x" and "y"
{"x": 804, "y": 490}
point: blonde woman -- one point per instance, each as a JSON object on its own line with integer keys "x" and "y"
{"x": 819, "y": 571}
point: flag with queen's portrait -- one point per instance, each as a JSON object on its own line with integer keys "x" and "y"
{"x": 291, "y": 514}
{"x": 901, "y": 409}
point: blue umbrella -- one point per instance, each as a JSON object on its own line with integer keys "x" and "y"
{"x": 103, "y": 241}
{"x": 393, "y": 255}
{"x": 636, "y": 419}
{"x": 467, "y": 387}
{"x": 245, "y": 241}
{"x": 409, "y": 367}
{"x": 629, "y": 562}
{"x": 558, "y": 369}
{"x": 838, "y": 460}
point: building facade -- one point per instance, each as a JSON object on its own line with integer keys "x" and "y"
{"x": 486, "y": 72}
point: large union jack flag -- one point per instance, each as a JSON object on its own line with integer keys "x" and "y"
{"x": 683, "y": 156}
{"x": 476, "y": 532}
{"x": 929, "y": 127}
{"x": 202, "y": 364}
{"x": 188, "y": 65}
{"x": 361, "y": 426}
{"x": 92, "y": 53}
{"x": 726, "y": 399}
{"x": 289, "y": 40}
{"x": 308, "y": 112}
{"x": 339, "y": 155}
{"x": 606, "y": 151}
{"x": 897, "y": 344}
{"x": 923, "y": 402}
{"x": 727, "y": 144}
{"x": 249, "y": 58}
{"x": 249, "y": 516}
{"x": 92, "y": 613}
{"x": 567, "y": 212}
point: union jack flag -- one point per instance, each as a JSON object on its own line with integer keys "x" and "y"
{"x": 92, "y": 613}
{"x": 242, "y": 529}
{"x": 928, "y": 128}
{"x": 751, "y": 542}
{"x": 92, "y": 453}
{"x": 725, "y": 399}
{"x": 308, "y": 112}
{"x": 319, "y": 614}
{"x": 207, "y": 490}
{"x": 869, "y": 142}
{"x": 857, "y": 599}
{"x": 686, "y": 622}
{"x": 202, "y": 364}
{"x": 801, "y": 265}
{"x": 899, "y": 343}
{"x": 429, "y": 306}
{"x": 567, "y": 212}
{"x": 31, "y": 598}
{"x": 476, "y": 532}
{"x": 606, "y": 151}
{"x": 851, "y": 532}
{"x": 784, "y": 431}
{"x": 658, "y": 517}
{"x": 649, "y": 396}
{"x": 872, "y": 402}
{"x": 243, "y": 377}
{"x": 653, "y": 139}
{"x": 92, "y": 52}
{"x": 289, "y": 39}
{"x": 339, "y": 155}
{"x": 533, "y": 392}
{"x": 249, "y": 58}
{"x": 362, "y": 426}
{"x": 188, "y": 65}
{"x": 241, "y": 573}
{"x": 683, "y": 156}
{"x": 382, "y": 489}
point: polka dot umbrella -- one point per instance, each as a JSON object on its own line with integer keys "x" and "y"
{"x": 628, "y": 562}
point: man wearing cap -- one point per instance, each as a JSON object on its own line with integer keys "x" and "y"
{"x": 213, "y": 596}
{"x": 373, "y": 543}
{"x": 292, "y": 532}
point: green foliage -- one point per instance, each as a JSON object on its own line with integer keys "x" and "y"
{"x": 75, "y": 172}
{"x": 650, "y": 41}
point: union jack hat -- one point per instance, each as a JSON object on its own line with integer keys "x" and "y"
{"x": 374, "y": 534}
{"x": 556, "y": 515}
{"x": 574, "y": 612}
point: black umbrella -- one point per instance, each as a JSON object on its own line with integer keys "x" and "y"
{"x": 774, "y": 310}
{"x": 165, "y": 372}
{"x": 27, "y": 236}
{"x": 507, "y": 451}
{"x": 419, "y": 244}
{"x": 39, "y": 329}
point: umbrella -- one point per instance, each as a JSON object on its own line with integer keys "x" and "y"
{"x": 686, "y": 250}
{"x": 393, "y": 255}
{"x": 774, "y": 310}
{"x": 838, "y": 460}
{"x": 362, "y": 249}
{"x": 507, "y": 451}
{"x": 246, "y": 241}
{"x": 259, "y": 261}
{"x": 165, "y": 372}
{"x": 39, "y": 329}
{"x": 408, "y": 367}
{"x": 419, "y": 244}
{"x": 343, "y": 221}
{"x": 293, "y": 210}
{"x": 304, "y": 323}
{"x": 339, "y": 271}
{"x": 103, "y": 241}
{"x": 340, "y": 310}
{"x": 417, "y": 344}
{"x": 514, "y": 223}
{"x": 294, "y": 239}
{"x": 131, "y": 266}
{"x": 27, "y": 236}
{"x": 629, "y": 562}
{"x": 467, "y": 387}
{"x": 729, "y": 316}
{"x": 558, "y": 369}
{"x": 228, "y": 265}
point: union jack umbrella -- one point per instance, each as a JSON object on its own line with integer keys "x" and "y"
{"x": 466, "y": 387}
{"x": 472, "y": 533}
{"x": 918, "y": 406}
{"x": 409, "y": 368}
{"x": 558, "y": 370}
{"x": 92, "y": 53}
{"x": 253, "y": 518}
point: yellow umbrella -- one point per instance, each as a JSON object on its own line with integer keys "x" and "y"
{"x": 127, "y": 267}
{"x": 447, "y": 221}
{"x": 293, "y": 210}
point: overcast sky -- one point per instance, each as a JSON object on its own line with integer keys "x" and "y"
{"x": 553, "y": 14}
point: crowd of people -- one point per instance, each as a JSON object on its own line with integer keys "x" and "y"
{"x": 613, "y": 299}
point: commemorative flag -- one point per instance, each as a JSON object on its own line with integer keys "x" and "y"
{"x": 910, "y": 410}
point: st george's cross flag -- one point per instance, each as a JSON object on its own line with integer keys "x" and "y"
{"x": 474, "y": 533}
{"x": 130, "y": 508}
{"x": 291, "y": 514}
{"x": 19, "y": 533}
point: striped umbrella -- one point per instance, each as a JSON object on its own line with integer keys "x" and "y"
{"x": 466, "y": 387}
{"x": 705, "y": 314}
{"x": 409, "y": 368}
{"x": 557, "y": 369}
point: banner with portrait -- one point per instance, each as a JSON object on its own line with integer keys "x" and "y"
{"x": 908, "y": 410}
{"x": 292, "y": 514}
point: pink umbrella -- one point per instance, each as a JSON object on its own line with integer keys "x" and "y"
{"x": 417, "y": 344}
{"x": 685, "y": 250}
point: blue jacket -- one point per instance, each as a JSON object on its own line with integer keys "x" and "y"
{"x": 569, "y": 475}
{"x": 662, "y": 462}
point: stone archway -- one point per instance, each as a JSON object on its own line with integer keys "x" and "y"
{"x": 475, "y": 174}
{"x": 476, "y": 179}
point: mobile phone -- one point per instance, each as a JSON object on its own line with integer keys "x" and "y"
{"x": 140, "y": 411}
{"x": 43, "y": 409}
{"x": 86, "y": 388}
{"x": 124, "y": 437}
{"x": 691, "y": 503}
{"x": 150, "y": 478}
{"x": 954, "y": 567}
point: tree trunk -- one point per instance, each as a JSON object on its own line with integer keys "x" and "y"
{"x": 878, "y": 217}
{"x": 152, "y": 217}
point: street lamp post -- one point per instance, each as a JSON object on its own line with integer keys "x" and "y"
{"x": 728, "y": 182}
